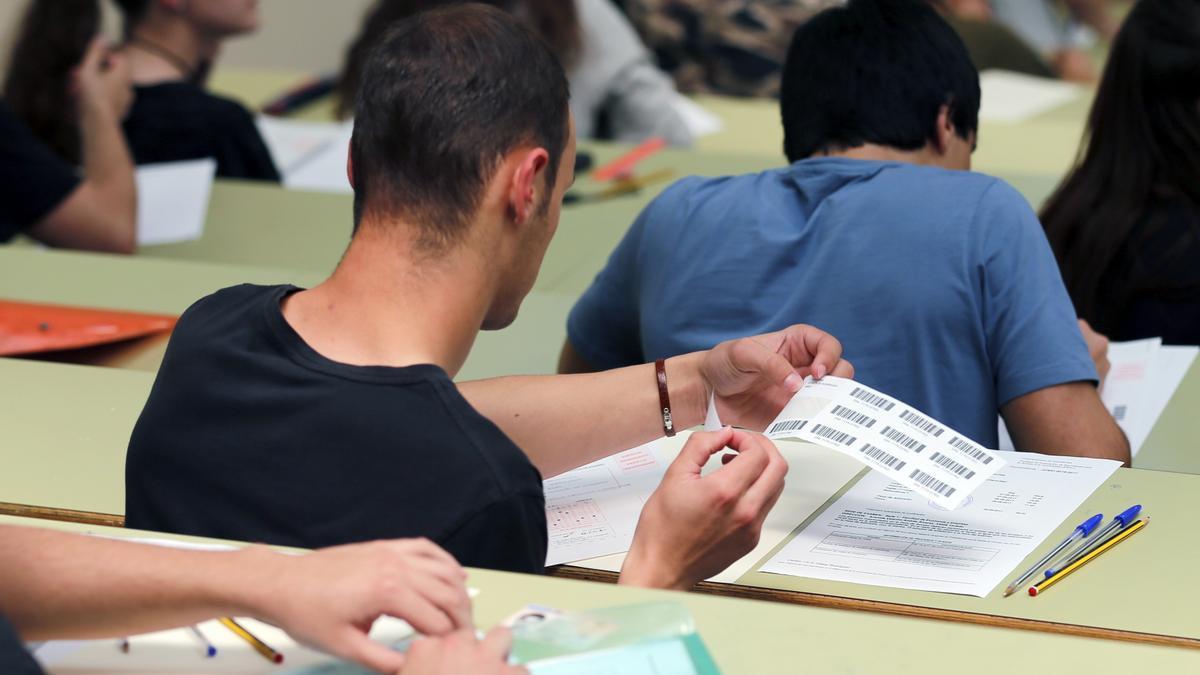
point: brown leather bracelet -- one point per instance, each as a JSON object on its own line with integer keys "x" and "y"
{"x": 664, "y": 397}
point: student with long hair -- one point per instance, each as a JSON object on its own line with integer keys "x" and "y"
{"x": 171, "y": 46}
{"x": 46, "y": 198}
{"x": 616, "y": 90}
{"x": 1125, "y": 224}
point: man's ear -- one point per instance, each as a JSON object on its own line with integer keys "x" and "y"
{"x": 527, "y": 180}
{"x": 945, "y": 131}
{"x": 350, "y": 169}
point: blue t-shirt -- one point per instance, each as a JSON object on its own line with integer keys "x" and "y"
{"x": 940, "y": 284}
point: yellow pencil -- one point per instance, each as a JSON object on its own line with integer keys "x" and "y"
{"x": 1112, "y": 541}
{"x": 258, "y": 645}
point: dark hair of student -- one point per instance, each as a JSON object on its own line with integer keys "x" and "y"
{"x": 875, "y": 71}
{"x": 1142, "y": 144}
{"x": 445, "y": 94}
{"x": 556, "y": 21}
{"x": 49, "y": 45}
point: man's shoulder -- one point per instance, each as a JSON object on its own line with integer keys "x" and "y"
{"x": 230, "y": 306}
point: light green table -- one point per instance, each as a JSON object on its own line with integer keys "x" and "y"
{"x": 66, "y": 429}
{"x": 756, "y": 638}
{"x": 529, "y": 346}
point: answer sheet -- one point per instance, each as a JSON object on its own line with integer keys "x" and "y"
{"x": 887, "y": 435}
{"x": 883, "y": 534}
{"x": 1016, "y": 97}
{"x": 173, "y": 200}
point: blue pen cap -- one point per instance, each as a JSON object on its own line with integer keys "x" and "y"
{"x": 1090, "y": 524}
{"x": 1129, "y": 514}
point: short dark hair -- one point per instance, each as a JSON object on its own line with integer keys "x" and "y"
{"x": 444, "y": 95}
{"x": 875, "y": 71}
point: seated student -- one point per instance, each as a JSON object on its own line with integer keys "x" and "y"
{"x": 1042, "y": 25}
{"x": 991, "y": 44}
{"x": 313, "y": 417}
{"x": 55, "y": 585}
{"x": 45, "y": 198}
{"x": 616, "y": 89}
{"x": 170, "y": 45}
{"x": 1125, "y": 224}
{"x": 939, "y": 281}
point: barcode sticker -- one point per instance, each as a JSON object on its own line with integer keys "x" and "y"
{"x": 854, "y": 416}
{"x": 914, "y": 449}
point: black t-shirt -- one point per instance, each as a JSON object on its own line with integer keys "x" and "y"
{"x": 33, "y": 180}
{"x": 14, "y": 658}
{"x": 1154, "y": 283}
{"x": 250, "y": 434}
{"x": 177, "y": 121}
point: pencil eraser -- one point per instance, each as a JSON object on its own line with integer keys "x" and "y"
{"x": 278, "y": 658}
{"x": 1033, "y": 591}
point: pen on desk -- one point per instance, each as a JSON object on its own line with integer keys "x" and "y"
{"x": 1082, "y": 530}
{"x": 258, "y": 645}
{"x": 1088, "y": 557}
{"x": 1127, "y": 516}
{"x": 206, "y": 647}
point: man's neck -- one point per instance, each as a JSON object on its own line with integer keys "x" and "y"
{"x": 385, "y": 306}
{"x": 882, "y": 153}
{"x": 186, "y": 51}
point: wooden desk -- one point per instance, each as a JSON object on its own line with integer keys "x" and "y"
{"x": 759, "y": 638}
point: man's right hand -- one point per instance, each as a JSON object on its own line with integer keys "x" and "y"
{"x": 1097, "y": 345}
{"x": 695, "y": 526}
{"x": 461, "y": 654}
{"x": 102, "y": 80}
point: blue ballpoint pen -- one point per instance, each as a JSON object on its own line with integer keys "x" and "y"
{"x": 1080, "y": 532}
{"x": 1120, "y": 522}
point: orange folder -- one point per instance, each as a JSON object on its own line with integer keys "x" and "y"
{"x": 27, "y": 328}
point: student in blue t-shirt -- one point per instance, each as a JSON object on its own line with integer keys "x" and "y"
{"x": 938, "y": 281}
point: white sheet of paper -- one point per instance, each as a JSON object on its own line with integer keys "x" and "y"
{"x": 1143, "y": 377}
{"x": 699, "y": 121}
{"x": 888, "y": 436}
{"x": 324, "y": 168}
{"x": 294, "y": 143}
{"x": 1015, "y": 97}
{"x": 593, "y": 510}
{"x": 815, "y": 475}
{"x": 883, "y": 534}
{"x": 173, "y": 200}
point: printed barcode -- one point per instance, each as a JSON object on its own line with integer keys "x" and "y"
{"x": 786, "y": 425}
{"x": 856, "y": 417}
{"x": 882, "y": 456}
{"x": 833, "y": 434}
{"x": 952, "y": 465}
{"x": 932, "y": 483}
{"x": 872, "y": 399}
{"x": 1119, "y": 412}
{"x": 903, "y": 439}
{"x": 921, "y": 423}
{"x": 971, "y": 450}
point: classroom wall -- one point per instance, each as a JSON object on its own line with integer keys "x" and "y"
{"x": 306, "y": 35}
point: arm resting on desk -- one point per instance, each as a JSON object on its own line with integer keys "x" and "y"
{"x": 1066, "y": 419}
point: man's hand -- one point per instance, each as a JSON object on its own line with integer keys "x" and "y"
{"x": 1097, "y": 346}
{"x": 754, "y": 378}
{"x": 102, "y": 81}
{"x": 461, "y": 654}
{"x": 695, "y": 526}
{"x": 330, "y": 598}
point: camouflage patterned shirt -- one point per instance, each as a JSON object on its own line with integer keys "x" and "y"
{"x": 730, "y": 47}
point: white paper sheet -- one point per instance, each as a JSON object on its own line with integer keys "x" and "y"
{"x": 883, "y": 534}
{"x": 293, "y": 143}
{"x": 888, "y": 436}
{"x": 1142, "y": 378}
{"x": 593, "y": 510}
{"x": 173, "y": 200}
{"x": 323, "y": 168}
{"x": 1015, "y": 97}
{"x": 815, "y": 474}
{"x": 699, "y": 121}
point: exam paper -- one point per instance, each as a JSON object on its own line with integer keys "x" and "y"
{"x": 698, "y": 120}
{"x": 887, "y": 435}
{"x": 593, "y": 510}
{"x": 293, "y": 143}
{"x": 1015, "y": 97}
{"x": 883, "y": 534}
{"x": 815, "y": 475}
{"x": 323, "y": 168}
{"x": 173, "y": 200}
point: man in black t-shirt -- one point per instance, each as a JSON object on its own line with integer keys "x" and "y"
{"x": 43, "y": 197}
{"x": 322, "y": 416}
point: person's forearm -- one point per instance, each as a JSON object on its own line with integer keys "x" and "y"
{"x": 107, "y": 165}
{"x": 565, "y": 421}
{"x": 58, "y": 585}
